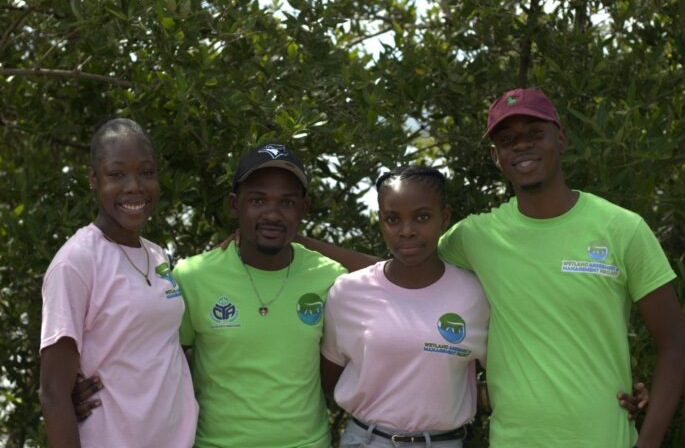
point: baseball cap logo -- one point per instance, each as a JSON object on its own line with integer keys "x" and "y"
{"x": 274, "y": 151}
{"x": 511, "y": 100}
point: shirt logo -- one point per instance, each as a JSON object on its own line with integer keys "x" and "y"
{"x": 452, "y": 327}
{"x": 224, "y": 311}
{"x": 162, "y": 271}
{"x": 597, "y": 252}
{"x": 310, "y": 309}
{"x": 274, "y": 151}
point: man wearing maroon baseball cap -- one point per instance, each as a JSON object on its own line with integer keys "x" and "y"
{"x": 561, "y": 269}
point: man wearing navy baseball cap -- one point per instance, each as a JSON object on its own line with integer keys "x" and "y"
{"x": 254, "y": 315}
{"x": 561, "y": 269}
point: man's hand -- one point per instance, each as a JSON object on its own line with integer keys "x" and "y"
{"x": 635, "y": 402}
{"x": 235, "y": 236}
{"x": 84, "y": 389}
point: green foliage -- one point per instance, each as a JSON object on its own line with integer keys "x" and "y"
{"x": 212, "y": 79}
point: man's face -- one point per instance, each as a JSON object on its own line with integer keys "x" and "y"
{"x": 269, "y": 205}
{"x": 528, "y": 150}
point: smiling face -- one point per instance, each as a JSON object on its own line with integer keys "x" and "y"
{"x": 125, "y": 183}
{"x": 269, "y": 205}
{"x": 412, "y": 218}
{"x": 527, "y": 150}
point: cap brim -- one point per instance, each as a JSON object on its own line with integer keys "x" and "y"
{"x": 527, "y": 111}
{"x": 283, "y": 164}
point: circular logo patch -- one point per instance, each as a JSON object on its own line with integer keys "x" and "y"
{"x": 452, "y": 327}
{"x": 310, "y": 309}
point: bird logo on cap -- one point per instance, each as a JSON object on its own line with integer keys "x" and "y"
{"x": 275, "y": 151}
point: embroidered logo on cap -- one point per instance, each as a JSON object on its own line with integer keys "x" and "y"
{"x": 274, "y": 151}
{"x": 511, "y": 100}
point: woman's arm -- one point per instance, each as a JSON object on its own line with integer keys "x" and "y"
{"x": 330, "y": 372}
{"x": 58, "y": 369}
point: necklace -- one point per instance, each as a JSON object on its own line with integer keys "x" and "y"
{"x": 264, "y": 306}
{"x": 147, "y": 257}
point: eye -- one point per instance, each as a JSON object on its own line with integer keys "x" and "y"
{"x": 535, "y": 132}
{"x": 505, "y": 140}
{"x": 256, "y": 201}
{"x": 288, "y": 202}
{"x": 114, "y": 174}
{"x": 390, "y": 219}
{"x": 149, "y": 172}
{"x": 423, "y": 217}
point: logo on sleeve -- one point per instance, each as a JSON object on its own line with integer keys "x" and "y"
{"x": 162, "y": 271}
{"x": 310, "y": 309}
{"x": 224, "y": 313}
{"x": 597, "y": 252}
{"x": 452, "y": 328}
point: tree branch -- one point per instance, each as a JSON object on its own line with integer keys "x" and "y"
{"x": 65, "y": 73}
{"x": 361, "y": 39}
{"x": 526, "y": 43}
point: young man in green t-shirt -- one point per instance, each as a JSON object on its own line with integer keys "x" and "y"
{"x": 254, "y": 316}
{"x": 561, "y": 269}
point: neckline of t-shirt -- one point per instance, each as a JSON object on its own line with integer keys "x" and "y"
{"x": 261, "y": 272}
{"x": 557, "y": 220}
{"x": 387, "y": 284}
{"x": 102, "y": 236}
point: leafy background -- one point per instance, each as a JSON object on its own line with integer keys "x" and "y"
{"x": 211, "y": 79}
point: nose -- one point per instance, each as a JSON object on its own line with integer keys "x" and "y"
{"x": 523, "y": 142}
{"x": 133, "y": 183}
{"x": 407, "y": 229}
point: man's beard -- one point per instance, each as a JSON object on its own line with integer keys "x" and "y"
{"x": 269, "y": 250}
{"x": 531, "y": 187}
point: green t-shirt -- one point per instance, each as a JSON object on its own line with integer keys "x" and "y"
{"x": 256, "y": 377}
{"x": 560, "y": 292}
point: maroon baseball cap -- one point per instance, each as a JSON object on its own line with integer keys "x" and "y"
{"x": 532, "y": 102}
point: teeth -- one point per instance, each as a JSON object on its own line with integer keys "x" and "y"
{"x": 134, "y": 207}
{"x": 525, "y": 163}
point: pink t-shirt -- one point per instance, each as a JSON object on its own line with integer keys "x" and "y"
{"x": 127, "y": 333}
{"x": 409, "y": 354}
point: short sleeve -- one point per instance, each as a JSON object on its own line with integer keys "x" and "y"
{"x": 647, "y": 267}
{"x": 451, "y": 246}
{"x": 186, "y": 331}
{"x": 330, "y": 347}
{"x": 66, "y": 298}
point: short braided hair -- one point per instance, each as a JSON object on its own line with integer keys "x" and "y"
{"x": 427, "y": 176}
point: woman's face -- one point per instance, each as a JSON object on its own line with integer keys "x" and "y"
{"x": 412, "y": 219}
{"x": 126, "y": 187}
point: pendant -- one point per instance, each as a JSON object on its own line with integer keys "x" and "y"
{"x": 263, "y": 310}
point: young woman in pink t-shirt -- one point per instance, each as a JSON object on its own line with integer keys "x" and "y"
{"x": 402, "y": 336}
{"x": 111, "y": 308}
